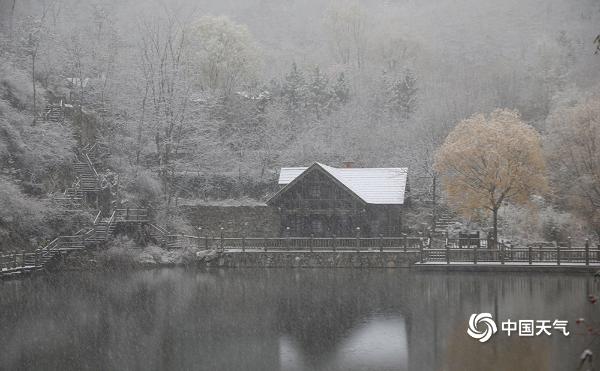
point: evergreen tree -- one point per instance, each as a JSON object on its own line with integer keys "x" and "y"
{"x": 341, "y": 92}
{"x": 319, "y": 97}
{"x": 293, "y": 91}
{"x": 402, "y": 95}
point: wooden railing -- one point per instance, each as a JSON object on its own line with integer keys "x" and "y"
{"x": 110, "y": 223}
{"x": 131, "y": 215}
{"x": 91, "y": 165}
{"x": 158, "y": 233}
{"x": 97, "y": 218}
{"x": 18, "y": 260}
{"x": 405, "y": 243}
{"x": 21, "y": 262}
{"x": 536, "y": 253}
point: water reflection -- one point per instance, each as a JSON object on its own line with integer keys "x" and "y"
{"x": 283, "y": 319}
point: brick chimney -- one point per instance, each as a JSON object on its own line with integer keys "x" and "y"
{"x": 348, "y": 164}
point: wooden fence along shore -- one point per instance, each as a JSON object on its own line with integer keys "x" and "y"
{"x": 455, "y": 250}
{"x": 503, "y": 253}
{"x": 425, "y": 250}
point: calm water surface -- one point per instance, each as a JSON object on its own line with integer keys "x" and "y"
{"x": 272, "y": 319}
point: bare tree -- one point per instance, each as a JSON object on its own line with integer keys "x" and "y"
{"x": 35, "y": 28}
{"x": 165, "y": 65}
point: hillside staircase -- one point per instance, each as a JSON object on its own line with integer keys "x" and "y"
{"x": 158, "y": 234}
{"x": 43, "y": 257}
{"x": 87, "y": 179}
{"x": 54, "y": 112}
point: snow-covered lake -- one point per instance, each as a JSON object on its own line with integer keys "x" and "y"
{"x": 276, "y": 319}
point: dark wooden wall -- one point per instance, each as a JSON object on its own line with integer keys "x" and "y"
{"x": 320, "y": 206}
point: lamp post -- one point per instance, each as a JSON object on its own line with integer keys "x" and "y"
{"x": 222, "y": 245}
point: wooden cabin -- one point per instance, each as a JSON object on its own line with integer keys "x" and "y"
{"x": 321, "y": 200}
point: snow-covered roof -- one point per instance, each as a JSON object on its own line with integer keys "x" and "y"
{"x": 372, "y": 185}
{"x": 287, "y": 174}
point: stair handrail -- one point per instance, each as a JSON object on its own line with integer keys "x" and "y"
{"x": 52, "y": 245}
{"x": 97, "y": 217}
{"x": 89, "y": 162}
{"x": 109, "y": 224}
{"x": 92, "y": 147}
{"x": 88, "y": 234}
{"x": 159, "y": 229}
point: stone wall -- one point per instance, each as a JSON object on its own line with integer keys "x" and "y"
{"x": 345, "y": 259}
{"x": 237, "y": 221}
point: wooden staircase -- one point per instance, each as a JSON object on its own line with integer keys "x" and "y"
{"x": 103, "y": 228}
{"x": 72, "y": 197}
{"x": 54, "y": 113}
{"x": 41, "y": 258}
{"x": 158, "y": 234}
{"x": 88, "y": 180}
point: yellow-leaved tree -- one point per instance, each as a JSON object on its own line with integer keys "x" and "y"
{"x": 486, "y": 161}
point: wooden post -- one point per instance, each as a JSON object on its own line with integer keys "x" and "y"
{"x": 421, "y": 252}
{"x": 23, "y": 259}
{"x": 380, "y": 242}
{"x": 587, "y": 251}
{"x": 37, "y": 258}
{"x": 357, "y": 239}
{"x": 243, "y": 243}
{"x": 199, "y": 236}
{"x": 15, "y": 259}
{"x": 447, "y": 253}
{"x": 429, "y": 243}
{"x": 447, "y": 236}
{"x": 530, "y": 254}
{"x": 206, "y": 242}
{"x": 287, "y": 238}
{"x": 405, "y": 243}
{"x": 570, "y": 242}
{"x": 557, "y": 254}
{"x": 475, "y": 250}
{"x": 222, "y": 242}
{"x": 334, "y": 243}
{"x": 312, "y": 242}
{"x": 501, "y": 252}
